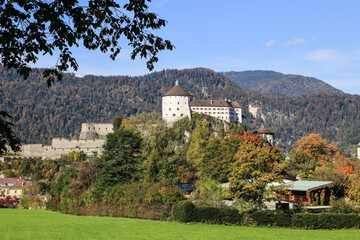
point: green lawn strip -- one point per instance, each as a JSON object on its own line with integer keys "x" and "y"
{"x": 41, "y": 224}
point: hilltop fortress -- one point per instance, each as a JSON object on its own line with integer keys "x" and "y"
{"x": 176, "y": 104}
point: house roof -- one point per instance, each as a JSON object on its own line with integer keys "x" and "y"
{"x": 210, "y": 103}
{"x": 177, "y": 91}
{"x": 308, "y": 185}
{"x": 13, "y": 183}
{"x": 235, "y": 105}
{"x": 264, "y": 130}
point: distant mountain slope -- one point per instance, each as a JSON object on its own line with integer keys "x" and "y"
{"x": 278, "y": 83}
{"x": 42, "y": 113}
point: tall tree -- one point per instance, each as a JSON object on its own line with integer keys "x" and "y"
{"x": 121, "y": 160}
{"x": 198, "y": 141}
{"x": 255, "y": 168}
{"x": 7, "y": 136}
{"x": 310, "y": 153}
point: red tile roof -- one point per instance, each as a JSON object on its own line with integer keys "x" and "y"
{"x": 13, "y": 183}
{"x": 235, "y": 105}
{"x": 264, "y": 130}
{"x": 177, "y": 91}
{"x": 210, "y": 103}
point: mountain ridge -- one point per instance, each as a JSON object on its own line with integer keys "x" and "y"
{"x": 265, "y": 81}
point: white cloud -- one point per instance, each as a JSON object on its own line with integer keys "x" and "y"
{"x": 326, "y": 55}
{"x": 269, "y": 43}
{"x": 296, "y": 41}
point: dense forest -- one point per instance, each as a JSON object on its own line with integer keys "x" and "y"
{"x": 41, "y": 113}
{"x": 279, "y": 83}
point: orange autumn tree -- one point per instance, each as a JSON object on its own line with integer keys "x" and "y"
{"x": 311, "y": 154}
{"x": 256, "y": 166}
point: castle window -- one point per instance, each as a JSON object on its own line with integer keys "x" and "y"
{"x": 169, "y": 109}
{"x": 89, "y": 128}
{"x": 94, "y": 128}
{"x": 178, "y": 103}
{"x": 174, "y": 115}
{"x": 182, "y": 114}
{"x": 178, "y": 109}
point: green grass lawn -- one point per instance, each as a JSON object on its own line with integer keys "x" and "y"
{"x": 41, "y": 224}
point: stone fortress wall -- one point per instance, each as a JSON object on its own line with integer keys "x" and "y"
{"x": 92, "y": 138}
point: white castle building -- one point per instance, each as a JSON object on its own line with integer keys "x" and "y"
{"x": 177, "y": 104}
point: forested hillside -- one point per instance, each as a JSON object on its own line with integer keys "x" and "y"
{"x": 278, "y": 83}
{"x": 41, "y": 113}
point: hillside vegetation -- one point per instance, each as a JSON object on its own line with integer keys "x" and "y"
{"x": 41, "y": 113}
{"x": 279, "y": 83}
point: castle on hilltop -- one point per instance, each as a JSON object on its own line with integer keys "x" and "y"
{"x": 177, "y": 104}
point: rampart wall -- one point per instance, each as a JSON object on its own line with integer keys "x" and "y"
{"x": 62, "y": 147}
{"x": 95, "y": 130}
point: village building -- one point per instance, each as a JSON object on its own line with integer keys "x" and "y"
{"x": 12, "y": 187}
{"x": 309, "y": 192}
{"x": 178, "y": 103}
{"x": 266, "y": 134}
{"x": 358, "y": 150}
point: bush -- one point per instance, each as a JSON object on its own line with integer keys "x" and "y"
{"x": 182, "y": 212}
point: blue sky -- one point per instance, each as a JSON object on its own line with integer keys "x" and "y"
{"x": 313, "y": 38}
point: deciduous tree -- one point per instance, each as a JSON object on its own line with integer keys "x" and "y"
{"x": 255, "y": 168}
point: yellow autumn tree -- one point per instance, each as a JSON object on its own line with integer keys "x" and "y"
{"x": 255, "y": 168}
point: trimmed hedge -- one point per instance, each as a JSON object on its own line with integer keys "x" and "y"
{"x": 183, "y": 211}
{"x": 326, "y": 221}
{"x": 271, "y": 219}
{"x": 186, "y": 211}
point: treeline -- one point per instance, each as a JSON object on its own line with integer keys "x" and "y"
{"x": 42, "y": 113}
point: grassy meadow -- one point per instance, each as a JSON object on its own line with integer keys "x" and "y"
{"x": 41, "y": 224}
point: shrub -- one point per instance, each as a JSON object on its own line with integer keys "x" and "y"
{"x": 182, "y": 212}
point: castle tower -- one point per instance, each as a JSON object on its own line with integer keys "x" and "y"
{"x": 266, "y": 134}
{"x": 176, "y": 104}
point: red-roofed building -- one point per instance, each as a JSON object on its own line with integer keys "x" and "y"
{"x": 12, "y": 187}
